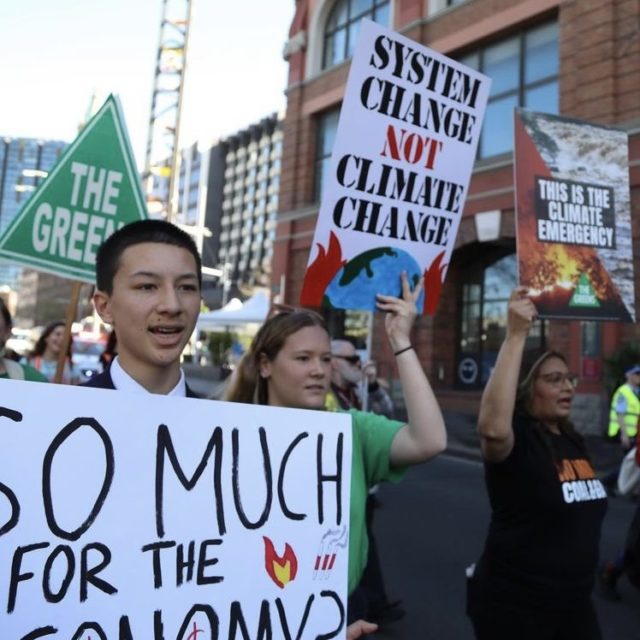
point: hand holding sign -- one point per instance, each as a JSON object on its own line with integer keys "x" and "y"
{"x": 521, "y": 312}
{"x": 404, "y": 150}
{"x": 401, "y": 314}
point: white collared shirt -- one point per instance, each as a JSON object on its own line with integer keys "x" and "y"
{"x": 122, "y": 381}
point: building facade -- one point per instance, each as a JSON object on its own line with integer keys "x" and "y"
{"x": 44, "y": 298}
{"x": 577, "y": 59}
{"x": 24, "y": 163}
{"x": 242, "y": 204}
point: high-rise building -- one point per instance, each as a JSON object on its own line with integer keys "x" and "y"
{"x": 24, "y": 163}
{"x": 577, "y": 59}
{"x": 228, "y": 201}
{"x": 252, "y": 160}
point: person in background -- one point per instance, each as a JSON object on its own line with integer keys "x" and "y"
{"x": 289, "y": 365}
{"x": 347, "y": 376}
{"x": 110, "y": 351}
{"x": 9, "y": 368}
{"x": 536, "y": 573}
{"x": 625, "y": 409}
{"x": 628, "y": 561}
{"x": 623, "y": 420}
{"x": 46, "y": 353}
{"x": 377, "y": 398}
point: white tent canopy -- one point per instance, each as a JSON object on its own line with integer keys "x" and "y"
{"x": 253, "y": 311}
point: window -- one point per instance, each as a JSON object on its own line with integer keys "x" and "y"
{"x": 524, "y": 72}
{"x": 483, "y": 320}
{"x": 326, "y": 135}
{"x": 343, "y": 25}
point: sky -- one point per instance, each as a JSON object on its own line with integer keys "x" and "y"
{"x": 56, "y": 54}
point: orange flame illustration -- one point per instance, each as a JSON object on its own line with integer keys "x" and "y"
{"x": 281, "y": 569}
{"x": 321, "y": 271}
{"x": 433, "y": 278}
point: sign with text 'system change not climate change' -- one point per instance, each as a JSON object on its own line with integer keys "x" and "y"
{"x": 93, "y": 190}
{"x": 574, "y": 235}
{"x": 395, "y": 190}
{"x": 149, "y": 517}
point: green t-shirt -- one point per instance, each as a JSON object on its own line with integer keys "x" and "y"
{"x": 372, "y": 438}
{"x": 30, "y": 374}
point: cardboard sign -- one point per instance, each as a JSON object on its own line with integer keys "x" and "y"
{"x": 125, "y": 516}
{"x": 93, "y": 190}
{"x": 574, "y": 217}
{"x": 404, "y": 151}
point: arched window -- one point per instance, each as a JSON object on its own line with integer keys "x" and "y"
{"x": 483, "y": 320}
{"x": 343, "y": 25}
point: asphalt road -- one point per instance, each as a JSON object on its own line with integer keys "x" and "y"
{"x": 433, "y": 524}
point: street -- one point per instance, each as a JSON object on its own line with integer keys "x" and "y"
{"x": 433, "y": 524}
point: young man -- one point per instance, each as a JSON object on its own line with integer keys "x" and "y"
{"x": 148, "y": 277}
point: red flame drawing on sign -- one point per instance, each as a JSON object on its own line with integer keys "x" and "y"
{"x": 433, "y": 278}
{"x": 281, "y": 569}
{"x": 321, "y": 271}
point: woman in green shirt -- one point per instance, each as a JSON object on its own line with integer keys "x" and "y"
{"x": 289, "y": 365}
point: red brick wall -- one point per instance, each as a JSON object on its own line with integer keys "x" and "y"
{"x": 600, "y": 81}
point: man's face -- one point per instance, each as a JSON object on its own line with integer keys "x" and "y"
{"x": 346, "y": 366}
{"x": 153, "y": 306}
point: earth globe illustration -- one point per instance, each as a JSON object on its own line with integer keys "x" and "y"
{"x": 375, "y": 271}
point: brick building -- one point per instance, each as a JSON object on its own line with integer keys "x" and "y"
{"x": 578, "y": 59}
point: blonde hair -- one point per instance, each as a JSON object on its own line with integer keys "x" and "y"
{"x": 246, "y": 384}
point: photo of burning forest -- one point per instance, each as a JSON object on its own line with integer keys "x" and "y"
{"x": 573, "y": 212}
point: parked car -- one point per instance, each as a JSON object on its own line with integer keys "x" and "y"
{"x": 86, "y": 357}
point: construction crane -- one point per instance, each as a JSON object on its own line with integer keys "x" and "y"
{"x": 161, "y": 172}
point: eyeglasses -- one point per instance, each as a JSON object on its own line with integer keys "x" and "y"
{"x": 557, "y": 378}
{"x": 354, "y": 360}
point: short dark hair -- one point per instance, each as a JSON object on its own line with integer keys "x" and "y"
{"x": 139, "y": 232}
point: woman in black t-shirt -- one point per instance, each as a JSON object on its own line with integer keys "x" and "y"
{"x": 535, "y": 576}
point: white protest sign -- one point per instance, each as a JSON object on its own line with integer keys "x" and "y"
{"x": 128, "y": 517}
{"x": 403, "y": 155}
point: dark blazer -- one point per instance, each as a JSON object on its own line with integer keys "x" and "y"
{"x": 104, "y": 381}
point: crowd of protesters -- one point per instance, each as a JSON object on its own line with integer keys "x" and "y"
{"x": 536, "y": 574}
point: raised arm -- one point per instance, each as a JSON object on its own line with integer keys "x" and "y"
{"x": 424, "y": 436}
{"x": 499, "y": 396}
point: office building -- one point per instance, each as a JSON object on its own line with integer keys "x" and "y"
{"x": 24, "y": 163}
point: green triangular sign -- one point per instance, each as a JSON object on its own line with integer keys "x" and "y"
{"x": 584, "y": 296}
{"x": 93, "y": 190}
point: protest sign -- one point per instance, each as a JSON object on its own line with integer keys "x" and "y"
{"x": 404, "y": 151}
{"x": 126, "y": 517}
{"x": 93, "y": 190}
{"x": 574, "y": 217}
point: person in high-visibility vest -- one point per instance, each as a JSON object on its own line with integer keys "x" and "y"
{"x": 625, "y": 409}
